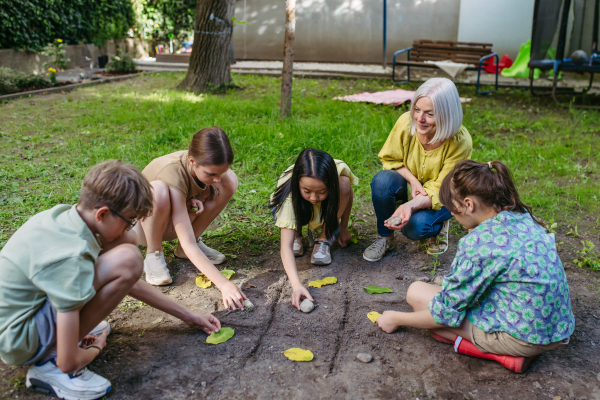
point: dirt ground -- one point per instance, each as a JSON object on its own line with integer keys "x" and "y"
{"x": 151, "y": 355}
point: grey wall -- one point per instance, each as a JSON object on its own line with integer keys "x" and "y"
{"x": 341, "y": 30}
{"x": 32, "y": 62}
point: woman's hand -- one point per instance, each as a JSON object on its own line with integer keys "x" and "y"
{"x": 404, "y": 212}
{"x": 232, "y": 296}
{"x": 387, "y": 321}
{"x": 95, "y": 340}
{"x": 192, "y": 204}
{"x": 344, "y": 237}
{"x": 206, "y": 322}
{"x": 417, "y": 189}
{"x": 298, "y": 294}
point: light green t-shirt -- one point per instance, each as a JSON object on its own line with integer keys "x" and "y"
{"x": 51, "y": 256}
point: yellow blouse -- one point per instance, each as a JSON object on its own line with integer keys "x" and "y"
{"x": 285, "y": 215}
{"x": 402, "y": 149}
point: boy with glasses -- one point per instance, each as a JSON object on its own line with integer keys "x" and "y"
{"x": 65, "y": 270}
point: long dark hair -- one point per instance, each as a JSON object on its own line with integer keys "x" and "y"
{"x": 491, "y": 182}
{"x": 319, "y": 165}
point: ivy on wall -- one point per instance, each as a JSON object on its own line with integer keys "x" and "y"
{"x": 159, "y": 18}
{"x": 31, "y": 24}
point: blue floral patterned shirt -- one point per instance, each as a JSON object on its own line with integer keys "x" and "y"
{"x": 507, "y": 277}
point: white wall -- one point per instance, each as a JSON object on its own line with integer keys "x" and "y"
{"x": 504, "y": 23}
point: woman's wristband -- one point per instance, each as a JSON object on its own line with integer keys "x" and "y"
{"x": 97, "y": 347}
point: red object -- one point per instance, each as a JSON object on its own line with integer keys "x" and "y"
{"x": 505, "y": 62}
{"x": 441, "y": 339}
{"x": 516, "y": 364}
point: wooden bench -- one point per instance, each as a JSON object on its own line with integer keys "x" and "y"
{"x": 442, "y": 50}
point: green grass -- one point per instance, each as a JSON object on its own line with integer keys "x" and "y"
{"x": 47, "y": 146}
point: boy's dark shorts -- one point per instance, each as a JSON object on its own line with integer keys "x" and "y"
{"x": 45, "y": 320}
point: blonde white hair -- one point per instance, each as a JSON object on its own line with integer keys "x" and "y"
{"x": 447, "y": 110}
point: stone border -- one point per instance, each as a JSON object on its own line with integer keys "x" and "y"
{"x": 66, "y": 88}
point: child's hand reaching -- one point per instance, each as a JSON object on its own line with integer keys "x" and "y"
{"x": 298, "y": 294}
{"x": 387, "y": 322}
{"x": 344, "y": 237}
{"x": 208, "y": 323}
{"x": 232, "y": 296}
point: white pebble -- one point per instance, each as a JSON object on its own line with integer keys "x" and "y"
{"x": 248, "y": 304}
{"x": 307, "y": 306}
{"x": 364, "y": 357}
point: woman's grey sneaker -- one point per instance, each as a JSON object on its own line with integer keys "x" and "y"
{"x": 380, "y": 246}
{"x": 49, "y": 380}
{"x": 156, "y": 270}
{"x": 321, "y": 254}
{"x": 215, "y": 257}
{"x": 101, "y": 327}
{"x": 439, "y": 244}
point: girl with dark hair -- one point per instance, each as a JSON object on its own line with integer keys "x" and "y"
{"x": 190, "y": 188}
{"x": 506, "y": 297}
{"x": 315, "y": 191}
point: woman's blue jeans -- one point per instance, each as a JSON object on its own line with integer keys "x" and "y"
{"x": 388, "y": 187}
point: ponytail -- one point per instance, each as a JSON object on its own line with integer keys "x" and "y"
{"x": 491, "y": 182}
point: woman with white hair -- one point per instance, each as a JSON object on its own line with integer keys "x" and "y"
{"x": 423, "y": 147}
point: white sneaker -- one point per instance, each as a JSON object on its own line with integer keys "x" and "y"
{"x": 102, "y": 326}
{"x": 215, "y": 257}
{"x": 156, "y": 270}
{"x": 321, "y": 254}
{"x": 439, "y": 244}
{"x": 297, "y": 247}
{"x": 51, "y": 381}
{"x": 380, "y": 246}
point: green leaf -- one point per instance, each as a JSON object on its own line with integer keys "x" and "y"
{"x": 223, "y": 335}
{"x": 228, "y": 273}
{"x": 377, "y": 289}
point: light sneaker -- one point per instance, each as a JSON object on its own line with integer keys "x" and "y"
{"x": 51, "y": 381}
{"x": 439, "y": 244}
{"x": 321, "y": 254}
{"x": 215, "y": 257}
{"x": 380, "y": 246}
{"x": 297, "y": 247}
{"x": 102, "y": 326}
{"x": 156, "y": 270}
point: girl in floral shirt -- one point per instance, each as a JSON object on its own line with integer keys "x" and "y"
{"x": 506, "y": 297}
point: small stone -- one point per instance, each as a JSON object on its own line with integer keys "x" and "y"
{"x": 203, "y": 384}
{"x": 422, "y": 279}
{"x": 248, "y": 304}
{"x": 399, "y": 277}
{"x": 398, "y": 348}
{"x": 394, "y": 221}
{"x": 364, "y": 357}
{"x": 307, "y": 306}
{"x": 438, "y": 280}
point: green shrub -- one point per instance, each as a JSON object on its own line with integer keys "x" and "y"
{"x": 12, "y": 81}
{"x": 123, "y": 63}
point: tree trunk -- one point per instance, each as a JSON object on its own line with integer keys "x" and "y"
{"x": 285, "y": 109}
{"x": 209, "y": 67}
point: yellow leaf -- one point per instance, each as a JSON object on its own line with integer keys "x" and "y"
{"x": 330, "y": 280}
{"x": 373, "y": 315}
{"x": 203, "y": 282}
{"x": 296, "y": 354}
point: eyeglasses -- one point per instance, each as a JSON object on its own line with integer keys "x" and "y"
{"x": 131, "y": 223}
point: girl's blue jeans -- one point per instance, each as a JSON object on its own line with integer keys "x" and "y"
{"x": 389, "y": 187}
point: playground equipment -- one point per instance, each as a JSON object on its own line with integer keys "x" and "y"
{"x": 567, "y": 26}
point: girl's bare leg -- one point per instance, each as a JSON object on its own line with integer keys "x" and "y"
{"x": 226, "y": 189}
{"x": 419, "y": 296}
{"x": 150, "y": 231}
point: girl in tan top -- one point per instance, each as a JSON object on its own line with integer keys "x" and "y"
{"x": 190, "y": 189}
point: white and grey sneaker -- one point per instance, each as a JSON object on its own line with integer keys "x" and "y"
{"x": 156, "y": 270}
{"x": 48, "y": 379}
{"x": 439, "y": 244}
{"x": 297, "y": 247}
{"x": 321, "y": 254}
{"x": 380, "y": 246}
{"x": 215, "y": 257}
{"x": 101, "y": 327}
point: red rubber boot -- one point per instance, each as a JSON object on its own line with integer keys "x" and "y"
{"x": 516, "y": 364}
